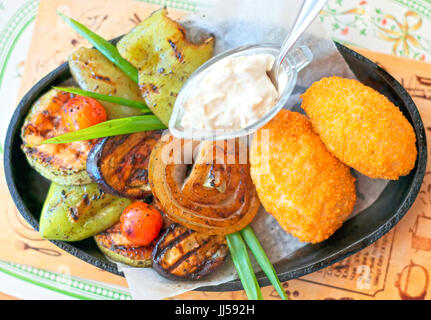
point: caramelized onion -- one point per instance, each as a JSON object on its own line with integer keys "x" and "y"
{"x": 204, "y": 186}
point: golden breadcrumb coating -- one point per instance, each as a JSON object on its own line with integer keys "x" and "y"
{"x": 361, "y": 127}
{"x": 308, "y": 191}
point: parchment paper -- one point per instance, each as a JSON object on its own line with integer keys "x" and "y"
{"x": 242, "y": 22}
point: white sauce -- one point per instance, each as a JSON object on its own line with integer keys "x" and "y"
{"x": 234, "y": 93}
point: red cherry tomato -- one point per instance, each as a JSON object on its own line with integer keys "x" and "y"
{"x": 141, "y": 223}
{"x": 83, "y": 112}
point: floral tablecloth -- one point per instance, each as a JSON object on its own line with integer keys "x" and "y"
{"x": 397, "y": 27}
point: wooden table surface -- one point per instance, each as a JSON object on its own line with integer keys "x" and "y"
{"x": 4, "y": 296}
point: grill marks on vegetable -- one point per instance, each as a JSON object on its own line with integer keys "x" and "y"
{"x": 63, "y": 163}
{"x": 74, "y": 213}
{"x": 116, "y": 246}
{"x": 120, "y": 164}
{"x": 82, "y": 207}
{"x": 149, "y": 88}
{"x": 102, "y": 78}
{"x": 214, "y": 195}
{"x": 177, "y": 52}
{"x": 185, "y": 254}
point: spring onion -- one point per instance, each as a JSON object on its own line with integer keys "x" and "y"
{"x": 243, "y": 266}
{"x": 104, "y": 46}
{"x": 110, "y": 128}
{"x": 103, "y": 97}
{"x": 261, "y": 258}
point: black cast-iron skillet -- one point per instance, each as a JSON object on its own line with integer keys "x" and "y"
{"x": 28, "y": 188}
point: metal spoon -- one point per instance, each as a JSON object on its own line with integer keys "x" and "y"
{"x": 308, "y": 12}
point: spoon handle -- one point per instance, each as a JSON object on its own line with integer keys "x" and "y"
{"x": 308, "y": 12}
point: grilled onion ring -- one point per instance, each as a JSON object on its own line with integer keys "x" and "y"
{"x": 203, "y": 186}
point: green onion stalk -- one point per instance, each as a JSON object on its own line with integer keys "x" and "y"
{"x": 104, "y": 46}
{"x": 110, "y": 128}
{"x": 103, "y": 97}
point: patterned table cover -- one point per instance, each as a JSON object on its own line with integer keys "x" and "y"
{"x": 398, "y": 27}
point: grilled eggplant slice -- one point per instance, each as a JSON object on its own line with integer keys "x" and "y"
{"x": 183, "y": 254}
{"x": 159, "y": 49}
{"x": 93, "y": 72}
{"x": 117, "y": 247}
{"x": 74, "y": 213}
{"x": 120, "y": 164}
{"x": 61, "y": 163}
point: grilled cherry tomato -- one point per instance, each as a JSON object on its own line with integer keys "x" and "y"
{"x": 141, "y": 223}
{"x": 82, "y": 112}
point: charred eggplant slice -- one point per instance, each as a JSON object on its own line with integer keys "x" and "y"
{"x": 120, "y": 164}
{"x": 117, "y": 247}
{"x": 184, "y": 254}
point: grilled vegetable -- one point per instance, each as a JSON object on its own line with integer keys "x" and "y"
{"x": 82, "y": 112}
{"x": 141, "y": 223}
{"x": 64, "y": 163}
{"x": 104, "y": 97}
{"x": 117, "y": 247}
{"x": 215, "y": 195}
{"x": 73, "y": 213}
{"x": 183, "y": 254}
{"x": 158, "y": 48}
{"x": 120, "y": 164}
{"x": 93, "y": 72}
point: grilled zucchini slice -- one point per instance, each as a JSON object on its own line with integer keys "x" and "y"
{"x": 74, "y": 213}
{"x": 61, "y": 163}
{"x": 93, "y": 72}
{"x": 159, "y": 49}
{"x": 117, "y": 247}
{"x": 184, "y": 254}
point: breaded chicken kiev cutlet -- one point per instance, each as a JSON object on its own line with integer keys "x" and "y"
{"x": 361, "y": 127}
{"x": 307, "y": 190}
